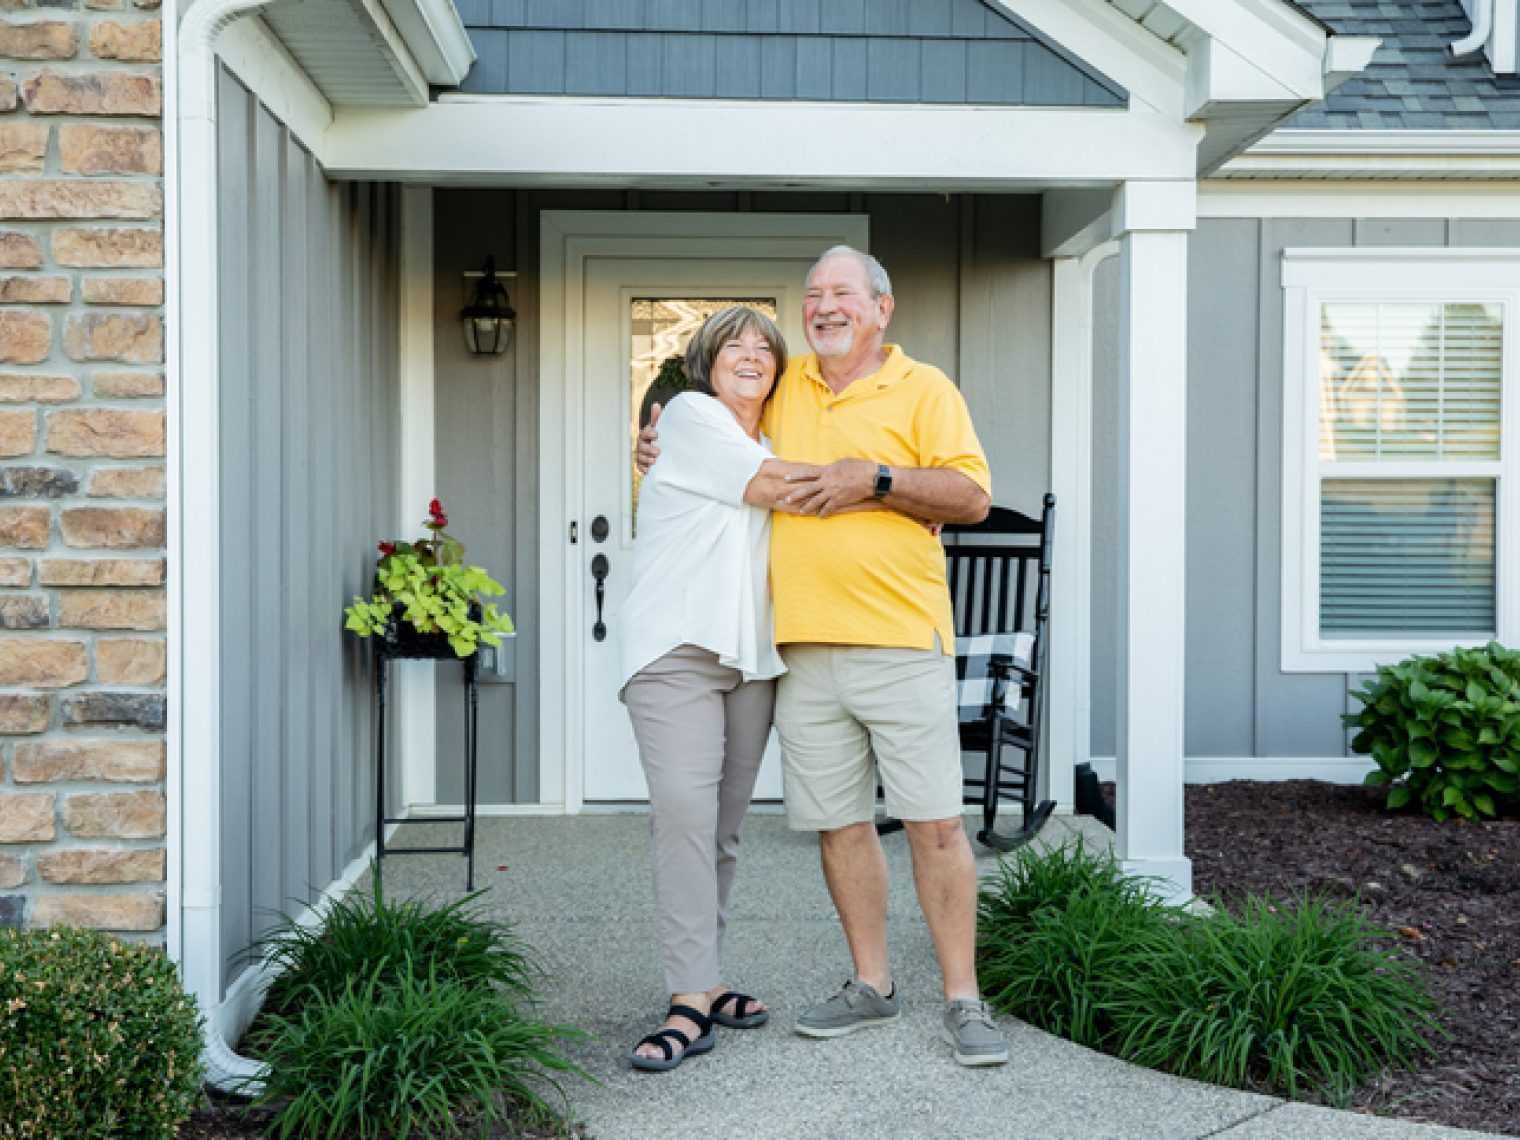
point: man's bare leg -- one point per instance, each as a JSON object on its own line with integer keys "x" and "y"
{"x": 944, "y": 872}
{"x": 856, "y": 872}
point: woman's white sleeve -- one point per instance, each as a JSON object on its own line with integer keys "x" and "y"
{"x": 704, "y": 451}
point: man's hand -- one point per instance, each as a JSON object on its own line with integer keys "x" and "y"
{"x": 646, "y": 453}
{"x": 831, "y": 489}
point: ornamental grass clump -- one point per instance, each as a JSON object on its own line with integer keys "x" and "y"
{"x": 394, "y": 1017}
{"x": 1284, "y": 997}
{"x": 1444, "y": 732}
{"x": 97, "y": 1038}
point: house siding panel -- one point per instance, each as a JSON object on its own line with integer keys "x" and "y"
{"x": 310, "y": 391}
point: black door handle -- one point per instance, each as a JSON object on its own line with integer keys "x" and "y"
{"x": 599, "y": 568}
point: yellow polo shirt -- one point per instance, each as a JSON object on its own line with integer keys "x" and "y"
{"x": 874, "y": 577}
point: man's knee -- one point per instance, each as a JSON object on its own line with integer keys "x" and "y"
{"x": 937, "y": 834}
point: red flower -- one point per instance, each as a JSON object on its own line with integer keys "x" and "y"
{"x": 435, "y": 508}
{"x": 387, "y": 548}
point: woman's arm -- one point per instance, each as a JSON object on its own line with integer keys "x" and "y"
{"x": 769, "y": 487}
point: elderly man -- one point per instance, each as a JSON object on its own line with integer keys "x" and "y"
{"x": 863, "y": 622}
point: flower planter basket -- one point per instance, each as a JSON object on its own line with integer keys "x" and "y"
{"x": 401, "y": 639}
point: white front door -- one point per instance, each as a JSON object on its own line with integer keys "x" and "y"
{"x": 637, "y": 314}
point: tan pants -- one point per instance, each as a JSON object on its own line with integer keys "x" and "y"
{"x": 701, "y": 731}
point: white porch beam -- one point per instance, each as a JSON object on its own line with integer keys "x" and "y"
{"x": 707, "y": 144}
{"x": 1074, "y": 221}
{"x": 1153, "y": 250}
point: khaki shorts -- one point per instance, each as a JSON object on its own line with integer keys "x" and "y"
{"x": 839, "y": 707}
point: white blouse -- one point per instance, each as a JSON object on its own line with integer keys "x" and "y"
{"x": 701, "y": 558}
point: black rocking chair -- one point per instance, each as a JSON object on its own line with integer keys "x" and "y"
{"x": 999, "y": 575}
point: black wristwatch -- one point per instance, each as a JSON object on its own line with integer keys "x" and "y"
{"x": 883, "y": 481}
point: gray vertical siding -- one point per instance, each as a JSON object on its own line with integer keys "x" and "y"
{"x": 973, "y": 297}
{"x": 309, "y": 396}
{"x": 1239, "y": 702}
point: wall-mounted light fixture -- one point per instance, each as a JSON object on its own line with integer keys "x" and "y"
{"x": 488, "y": 318}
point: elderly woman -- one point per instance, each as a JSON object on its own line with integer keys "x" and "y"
{"x": 699, "y": 661}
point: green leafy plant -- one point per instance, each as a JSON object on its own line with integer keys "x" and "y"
{"x": 1287, "y": 997}
{"x": 97, "y": 1038}
{"x": 1444, "y": 731}
{"x": 426, "y": 585}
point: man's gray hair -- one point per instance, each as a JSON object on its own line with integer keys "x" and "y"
{"x": 881, "y": 284}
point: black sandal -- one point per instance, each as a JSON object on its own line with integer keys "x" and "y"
{"x": 741, "y": 1018}
{"x": 663, "y": 1038}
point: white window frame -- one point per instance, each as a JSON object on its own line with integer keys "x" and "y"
{"x": 1311, "y": 277}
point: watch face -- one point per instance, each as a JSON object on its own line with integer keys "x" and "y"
{"x": 883, "y": 480}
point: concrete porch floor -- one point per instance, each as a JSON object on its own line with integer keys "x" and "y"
{"x": 578, "y": 890}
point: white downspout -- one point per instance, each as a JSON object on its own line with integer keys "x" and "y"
{"x": 194, "y": 514}
{"x": 1482, "y": 28}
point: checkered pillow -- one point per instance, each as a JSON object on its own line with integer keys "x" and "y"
{"x": 973, "y": 679}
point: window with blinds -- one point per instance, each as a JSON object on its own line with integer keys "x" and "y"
{"x": 1409, "y": 450}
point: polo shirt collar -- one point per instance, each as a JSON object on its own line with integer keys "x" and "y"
{"x": 896, "y": 366}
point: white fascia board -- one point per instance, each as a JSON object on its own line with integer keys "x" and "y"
{"x": 1352, "y": 142}
{"x": 1276, "y": 33}
{"x": 707, "y": 144}
{"x": 1153, "y": 72}
{"x": 1238, "y": 198}
{"x": 1379, "y": 154}
{"x": 435, "y": 34}
{"x": 1221, "y": 78}
{"x": 254, "y": 54}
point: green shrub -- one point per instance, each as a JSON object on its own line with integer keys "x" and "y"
{"x": 1444, "y": 731}
{"x": 400, "y": 1051}
{"x": 1057, "y": 929}
{"x": 97, "y": 1038}
{"x": 1282, "y": 995}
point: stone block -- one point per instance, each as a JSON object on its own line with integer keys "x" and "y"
{"x": 115, "y": 815}
{"x": 137, "y": 41}
{"x": 127, "y": 483}
{"x": 128, "y": 338}
{"x": 85, "y": 148}
{"x": 12, "y": 871}
{"x": 131, "y": 710}
{"x": 97, "y": 247}
{"x": 23, "y": 146}
{"x": 112, "y": 609}
{"x": 125, "y": 913}
{"x": 37, "y": 482}
{"x": 127, "y": 661}
{"x": 124, "y": 291}
{"x": 106, "y": 433}
{"x": 19, "y": 250}
{"x": 100, "y": 572}
{"x": 26, "y": 528}
{"x": 34, "y": 388}
{"x": 32, "y": 290}
{"x": 27, "y": 817}
{"x": 18, "y": 433}
{"x": 25, "y": 336}
{"x": 114, "y": 761}
{"x": 128, "y": 385}
{"x": 38, "y": 39}
{"x": 12, "y": 911}
{"x": 8, "y": 94}
{"x": 88, "y": 865}
{"x": 45, "y": 198}
{"x": 22, "y": 714}
{"x": 92, "y": 93}
{"x": 42, "y": 663}
{"x": 115, "y": 528}
{"x": 15, "y": 571}
{"x": 24, "y": 611}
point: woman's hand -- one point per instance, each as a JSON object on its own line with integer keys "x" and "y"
{"x": 828, "y": 490}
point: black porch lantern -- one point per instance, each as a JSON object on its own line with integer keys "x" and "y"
{"x": 488, "y": 318}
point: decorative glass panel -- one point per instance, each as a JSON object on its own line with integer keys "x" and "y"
{"x": 1402, "y": 556}
{"x": 1405, "y": 382}
{"x": 661, "y": 328}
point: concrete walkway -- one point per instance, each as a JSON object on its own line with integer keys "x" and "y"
{"x": 578, "y": 890}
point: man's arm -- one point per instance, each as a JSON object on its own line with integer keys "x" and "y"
{"x": 646, "y": 453}
{"x": 935, "y": 494}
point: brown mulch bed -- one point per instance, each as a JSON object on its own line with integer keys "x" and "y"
{"x": 1449, "y": 891}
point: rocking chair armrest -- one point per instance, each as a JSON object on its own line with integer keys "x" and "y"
{"x": 1003, "y": 667}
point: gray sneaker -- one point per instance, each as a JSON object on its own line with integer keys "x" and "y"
{"x": 973, "y": 1036}
{"x": 854, "y": 1007}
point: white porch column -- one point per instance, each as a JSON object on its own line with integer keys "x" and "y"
{"x": 1152, "y": 221}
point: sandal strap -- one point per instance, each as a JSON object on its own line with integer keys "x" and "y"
{"x": 659, "y": 1039}
{"x": 742, "y": 1002}
{"x": 702, "y": 1020}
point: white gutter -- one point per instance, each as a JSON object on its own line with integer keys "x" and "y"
{"x": 1482, "y": 29}
{"x": 435, "y": 35}
{"x": 194, "y": 513}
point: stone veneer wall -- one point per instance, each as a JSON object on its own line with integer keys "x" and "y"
{"x": 82, "y": 604}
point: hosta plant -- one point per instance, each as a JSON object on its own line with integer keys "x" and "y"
{"x": 426, "y": 585}
{"x": 1444, "y": 732}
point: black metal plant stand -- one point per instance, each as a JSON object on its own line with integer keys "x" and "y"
{"x": 402, "y": 641}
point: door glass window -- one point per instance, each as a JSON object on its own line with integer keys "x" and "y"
{"x": 660, "y": 329}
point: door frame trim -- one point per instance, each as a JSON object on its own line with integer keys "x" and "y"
{"x": 567, "y": 240}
